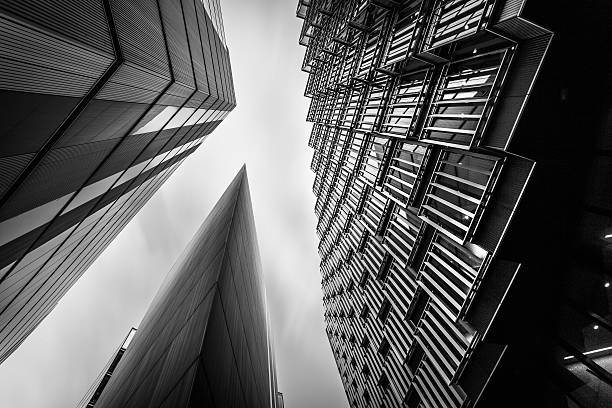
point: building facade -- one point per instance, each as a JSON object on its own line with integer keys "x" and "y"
{"x": 205, "y": 340}
{"x": 101, "y": 100}
{"x": 92, "y": 395}
{"x": 442, "y": 285}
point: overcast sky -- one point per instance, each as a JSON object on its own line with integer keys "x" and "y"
{"x": 56, "y": 365}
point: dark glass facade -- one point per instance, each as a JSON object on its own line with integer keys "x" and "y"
{"x": 204, "y": 341}
{"x": 465, "y": 227}
{"x": 101, "y": 101}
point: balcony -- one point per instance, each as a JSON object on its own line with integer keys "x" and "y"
{"x": 445, "y": 348}
{"x": 458, "y": 193}
{"x": 405, "y": 105}
{"x": 352, "y": 105}
{"x": 373, "y": 210}
{"x": 373, "y": 43}
{"x": 372, "y": 108}
{"x": 405, "y": 172}
{"x": 455, "y": 19}
{"x": 337, "y": 113}
{"x": 464, "y": 99}
{"x": 449, "y": 274}
{"x": 373, "y": 158}
{"x": 402, "y": 235}
{"x": 353, "y": 155}
{"x": 406, "y": 32}
{"x": 432, "y": 392}
{"x": 302, "y": 8}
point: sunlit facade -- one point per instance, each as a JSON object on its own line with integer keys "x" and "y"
{"x": 101, "y": 102}
{"x": 435, "y": 220}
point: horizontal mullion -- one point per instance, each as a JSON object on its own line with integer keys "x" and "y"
{"x": 461, "y": 180}
{"x": 459, "y": 274}
{"x": 457, "y": 193}
{"x": 446, "y": 217}
{"x": 455, "y": 258}
{"x": 451, "y": 130}
{"x": 439, "y": 288}
{"x": 462, "y": 101}
{"x": 451, "y": 205}
{"x": 454, "y": 116}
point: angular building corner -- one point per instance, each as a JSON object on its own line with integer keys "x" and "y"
{"x": 455, "y": 271}
{"x": 205, "y": 339}
{"x": 101, "y": 101}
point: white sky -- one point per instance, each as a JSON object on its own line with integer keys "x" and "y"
{"x": 267, "y": 131}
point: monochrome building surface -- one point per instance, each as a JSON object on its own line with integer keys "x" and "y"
{"x": 92, "y": 395}
{"x": 101, "y": 101}
{"x": 204, "y": 341}
{"x": 455, "y": 270}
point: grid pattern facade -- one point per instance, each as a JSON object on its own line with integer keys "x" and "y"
{"x": 102, "y": 100}
{"x": 204, "y": 341}
{"x": 414, "y": 104}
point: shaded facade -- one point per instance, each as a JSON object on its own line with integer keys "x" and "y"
{"x": 455, "y": 270}
{"x": 101, "y": 101}
{"x": 204, "y": 341}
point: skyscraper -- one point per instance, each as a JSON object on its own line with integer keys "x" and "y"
{"x": 101, "y": 101}
{"x": 204, "y": 341}
{"x": 91, "y": 397}
{"x": 455, "y": 271}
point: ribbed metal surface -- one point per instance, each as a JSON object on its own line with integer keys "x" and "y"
{"x": 83, "y": 22}
{"x": 509, "y": 9}
{"x": 76, "y": 164}
{"x": 521, "y": 77}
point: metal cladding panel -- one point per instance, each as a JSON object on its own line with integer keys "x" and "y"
{"x": 205, "y": 333}
{"x": 11, "y": 167}
{"x": 142, "y": 82}
{"x": 80, "y": 21}
{"x": 509, "y": 9}
{"x": 516, "y": 91}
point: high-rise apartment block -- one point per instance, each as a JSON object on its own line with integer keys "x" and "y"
{"x": 101, "y": 101}
{"x": 443, "y": 245}
{"x": 205, "y": 340}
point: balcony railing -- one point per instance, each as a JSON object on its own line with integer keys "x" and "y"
{"x": 374, "y": 157}
{"x": 374, "y": 42}
{"x": 374, "y": 99}
{"x": 458, "y": 193}
{"x": 353, "y": 156}
{"x": 464, "y": 98}
{"x": 405, "y": 171}
{"x": 449, "y": 273}
{"x": 406, "y": 32}
{"x": 352, "y": 105}
{"x": 445, "y": 348}
{"x": 373, "y": 211}
{"x": 455, "y": 19}
{"x": 405, "y": 105}
{"x": 402, "y": 235}
{"x": 433, "y": 392}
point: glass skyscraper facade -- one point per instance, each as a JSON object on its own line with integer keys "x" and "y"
{"x": 464, "y": 260}
{"x": 205, "y": 339}
{"x": 101, "y": 101}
